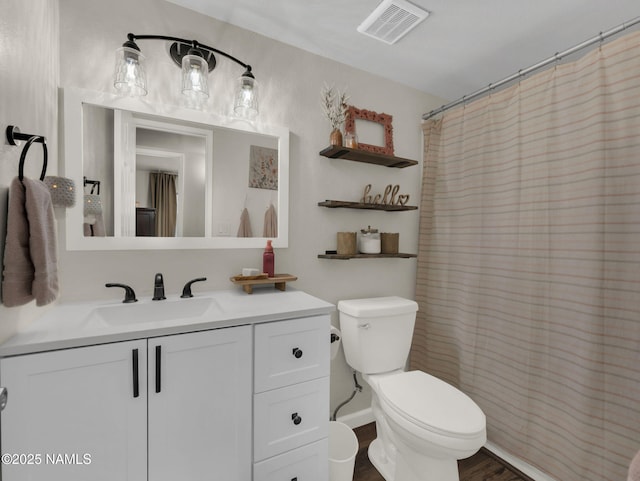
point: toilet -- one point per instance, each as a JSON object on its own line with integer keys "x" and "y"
{"x": 424, "y": 425}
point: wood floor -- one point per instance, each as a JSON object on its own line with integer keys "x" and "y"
{"x": 483, "y": 466}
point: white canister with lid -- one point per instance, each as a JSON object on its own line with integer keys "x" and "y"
{"x": 369, "y": 241}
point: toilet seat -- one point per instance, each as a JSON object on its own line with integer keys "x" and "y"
{"x": 431, "y": 404}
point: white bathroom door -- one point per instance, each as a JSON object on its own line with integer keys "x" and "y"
{"x": 76, "y": 414}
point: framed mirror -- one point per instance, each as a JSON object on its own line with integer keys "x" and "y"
{"x": 165, "y": 177}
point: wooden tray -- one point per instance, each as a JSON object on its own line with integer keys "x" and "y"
{"x": 279, "y": 280}
{"x": 239, "y": 278}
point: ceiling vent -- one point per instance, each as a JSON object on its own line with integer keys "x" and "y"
{"x": 392, "y": 20}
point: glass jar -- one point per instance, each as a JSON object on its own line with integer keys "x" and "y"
{"x": 369, "y": 241}
{"x": 351, "y": 140}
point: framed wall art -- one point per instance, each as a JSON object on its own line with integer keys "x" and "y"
{"x": 263, "y": 168}
{"x": 354, "y": 114}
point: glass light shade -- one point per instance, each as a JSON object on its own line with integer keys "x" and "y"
{"x": 62, "y": 189}
{"x": 130, "y": 77}
{"x": 195, "y": 71}
{"x": 245, "y": 104}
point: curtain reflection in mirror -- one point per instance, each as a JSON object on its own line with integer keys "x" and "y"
{"x": 162, "y": 186}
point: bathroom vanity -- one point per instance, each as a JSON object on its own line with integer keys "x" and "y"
{"x": 220, "y": 386}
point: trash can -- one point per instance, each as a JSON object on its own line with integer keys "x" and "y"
{"x": 343, "y": 447}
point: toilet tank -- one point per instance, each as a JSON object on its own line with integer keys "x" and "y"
{"x": 377, "y": 332}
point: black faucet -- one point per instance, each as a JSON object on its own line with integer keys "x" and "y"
{"x": 186, "y": 291}
{"x": 129, "y": 294}
{"x": 158, "y": 288}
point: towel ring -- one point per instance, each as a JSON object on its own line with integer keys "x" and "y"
{"x": 14, "y": 134}
{"x": 23, "y": 155}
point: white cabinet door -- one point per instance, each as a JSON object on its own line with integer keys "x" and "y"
{"x": 76, "y": 414}
{"x": 200, "y": 406}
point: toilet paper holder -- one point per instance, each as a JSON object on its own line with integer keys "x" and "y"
{"x": 335, "y": 341}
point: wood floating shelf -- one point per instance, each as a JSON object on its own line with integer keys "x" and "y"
{"x": 357, "y": 155}
{"x": 365, "y": 256}
{"x": 335, "y": 204}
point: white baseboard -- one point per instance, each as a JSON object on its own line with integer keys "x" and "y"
{"x": 526, "y": 468}
{"x": 357, "y": 419}
{"x": 365, "y": 416}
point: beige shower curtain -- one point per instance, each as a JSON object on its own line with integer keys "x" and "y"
{"x": 162, "y": 186}
{"x": 529, "y": 262}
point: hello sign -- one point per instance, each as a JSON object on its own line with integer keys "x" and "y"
{"x": 390, "y": 196}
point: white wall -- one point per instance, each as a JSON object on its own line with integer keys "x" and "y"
{"x": 291, "y": 81}
{"x": 28, "y": 98}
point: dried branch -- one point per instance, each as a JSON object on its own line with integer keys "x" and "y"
{"x": 334, "y": 105}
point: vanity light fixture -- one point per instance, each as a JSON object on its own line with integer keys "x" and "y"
{"x": 196, "y": 61}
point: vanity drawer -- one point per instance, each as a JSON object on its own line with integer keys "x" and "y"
{"x": 289, "y": 352}
{"x": 290, "y": 417}
{"x": 308, "y": 463}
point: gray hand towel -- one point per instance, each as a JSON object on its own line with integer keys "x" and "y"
{"x": 93, "y": 225}
{"x": 30, "y": 257}
{"x": 17, "y": 276}
{"x": 244, "y": 230}
{"x": 270, "y": 228}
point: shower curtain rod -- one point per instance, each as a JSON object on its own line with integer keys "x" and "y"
{"x": 521, "y": 73}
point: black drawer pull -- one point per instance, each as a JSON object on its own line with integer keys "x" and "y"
{"x": 296, "y": 419}
{"x": 297, "y": 352}
{"x": 294, "y": 479}
{"x": 136, "y": 380}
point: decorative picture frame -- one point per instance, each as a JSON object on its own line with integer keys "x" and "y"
{"x": 385, "y": 120}
{"x": 263, "y": 168}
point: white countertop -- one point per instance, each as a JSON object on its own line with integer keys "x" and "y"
{"x": 82, "y": 324}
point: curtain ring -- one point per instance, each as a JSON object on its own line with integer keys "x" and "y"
{"x": 23, "y": 156}
{"x": 601, "y": 42}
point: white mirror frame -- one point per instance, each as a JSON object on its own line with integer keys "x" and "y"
{"x": 72, "y": 167}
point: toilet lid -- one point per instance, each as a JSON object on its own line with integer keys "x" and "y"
{"x": 432, "y": 404}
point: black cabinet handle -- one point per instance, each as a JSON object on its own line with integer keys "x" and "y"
{"x": 136, "y": 379}
{"x": 297, "y": 352}
{"x": 296, "y": 419}
{"x": 294, "y": 479}
{"x": 158, "y": 368}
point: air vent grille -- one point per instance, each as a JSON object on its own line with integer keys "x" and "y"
{"x": 392, "y": 20}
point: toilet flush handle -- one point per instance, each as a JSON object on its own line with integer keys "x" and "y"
{"x": 364, "y": 326}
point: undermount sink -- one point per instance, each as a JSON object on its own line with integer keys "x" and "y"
{"x": 156, "y": 311}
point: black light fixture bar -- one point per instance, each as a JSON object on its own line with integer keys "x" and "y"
{"x": 195, "y": 60}
{"x": 192, "y": 43}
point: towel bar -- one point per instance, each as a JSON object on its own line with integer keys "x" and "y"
{"x": 13, "y": 135}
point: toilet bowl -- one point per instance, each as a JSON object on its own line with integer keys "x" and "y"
{"x": 424, "y": 425}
